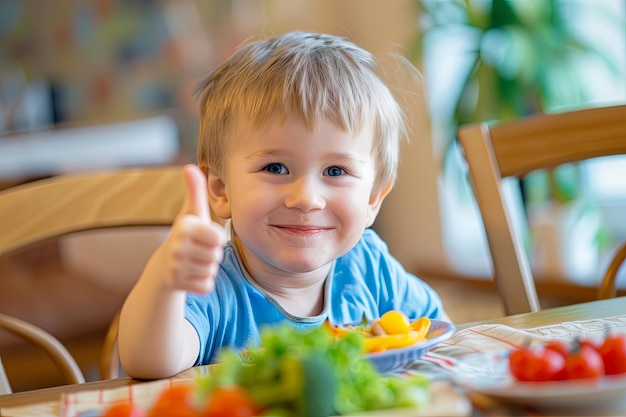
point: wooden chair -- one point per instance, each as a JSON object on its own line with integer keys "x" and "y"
{"x": 514, "y": 149}
{"x": 608, "y": 286}
{"x": 65, "y": 204}
{"x": 44, "y": 340}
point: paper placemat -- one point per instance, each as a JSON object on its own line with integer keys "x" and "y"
{"x": 594, "y": 328}
{"x": 83, "y": 403}
{"x": 45, "y": 409}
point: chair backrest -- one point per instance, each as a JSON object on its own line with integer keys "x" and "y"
{"x": 515, "y": 149}
{"x": 608, "y": 286}
{"x": 70, "y": 203}
{"x": 65, "y": 204}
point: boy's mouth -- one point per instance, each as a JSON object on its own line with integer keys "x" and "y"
{"x": 302, "y": 230}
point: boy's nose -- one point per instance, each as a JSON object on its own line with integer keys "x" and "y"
{"x": 305, "y": 194}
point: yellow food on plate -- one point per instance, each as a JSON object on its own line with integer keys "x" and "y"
{"x": 391, "y": 331}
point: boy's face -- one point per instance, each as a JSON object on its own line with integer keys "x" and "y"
{"x": 298, "y": 199}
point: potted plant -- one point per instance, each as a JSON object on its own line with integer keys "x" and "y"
{"x": 503, "y": 59}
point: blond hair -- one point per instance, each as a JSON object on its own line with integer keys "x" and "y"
{"x": 321, "y": 77}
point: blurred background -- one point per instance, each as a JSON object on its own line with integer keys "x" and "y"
{"x": 101, "y": 84}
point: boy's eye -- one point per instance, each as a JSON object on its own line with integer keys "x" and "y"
{"x": 334, "y": 171}
{"x": 276, "y": 168}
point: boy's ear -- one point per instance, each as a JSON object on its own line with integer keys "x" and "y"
{"x": 218, "y": 198}
{"x": 376, "y": 200}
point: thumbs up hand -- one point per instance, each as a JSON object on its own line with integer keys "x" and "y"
{"x": 194, "y": 249}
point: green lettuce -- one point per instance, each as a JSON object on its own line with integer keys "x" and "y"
{"x": 311, "y": 374}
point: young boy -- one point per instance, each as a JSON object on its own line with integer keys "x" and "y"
{"x": 298, "y": 148}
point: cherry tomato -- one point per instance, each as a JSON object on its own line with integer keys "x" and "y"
{"x": 613, "y": 353}
{"x": 536, "y": 364}
{"x": 589, "y": 342}
{"x": 177, "y": 400}
{"x": 230, "y": 402}
{"x": 558, "y": 345}
{"x": 584, "y": 362}
{"x": 126, "y": 409}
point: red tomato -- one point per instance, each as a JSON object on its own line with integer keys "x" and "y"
{"x": 584, "y": 362}
{"x": 589, "y": 342}
{"x": 613, "y": 352}
{"x": 558, "y": 345}
{"x": 536, "y": 364}
{"x": 230, "y": 402}
{"x": 124, "y": 410}
{"x": 175, "y": 401}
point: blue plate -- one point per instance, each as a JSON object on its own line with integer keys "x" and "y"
{"x": 395, "y": 359}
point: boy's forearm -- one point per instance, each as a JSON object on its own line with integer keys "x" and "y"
{"x": 155, "y": 339}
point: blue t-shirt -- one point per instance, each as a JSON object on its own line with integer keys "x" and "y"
{"x": 366, "y": 281}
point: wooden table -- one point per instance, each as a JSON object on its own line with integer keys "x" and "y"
{"x": 583, "y": 311}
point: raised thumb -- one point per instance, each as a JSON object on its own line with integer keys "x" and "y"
{"x": 196, "y": 200}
